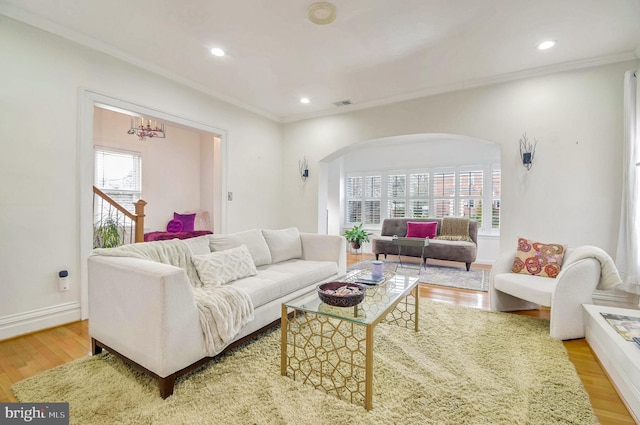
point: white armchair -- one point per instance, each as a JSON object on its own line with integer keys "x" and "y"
{"x": 565, "y": 294}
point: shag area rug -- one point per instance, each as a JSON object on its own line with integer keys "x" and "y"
{"x": 443, "y": 275}
{"x": 464, "y": 366}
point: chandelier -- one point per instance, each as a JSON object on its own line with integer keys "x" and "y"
{"x": 143, "y": 131}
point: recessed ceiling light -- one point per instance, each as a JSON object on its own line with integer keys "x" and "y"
{"x": 546, "y": 45}
{"x": 216, "y": 51}
{"x": 304, "y": 100}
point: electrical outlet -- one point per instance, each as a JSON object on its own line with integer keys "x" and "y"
{"x": 229, "y": 196}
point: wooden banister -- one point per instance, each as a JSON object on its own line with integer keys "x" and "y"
{"x": 137, "y": 218}
{"x": 140, "y": 220}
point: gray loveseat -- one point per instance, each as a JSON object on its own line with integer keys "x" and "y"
{"x": 462, "y": 251}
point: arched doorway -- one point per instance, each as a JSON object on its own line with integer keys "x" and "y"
{"x": 416, "y": 154}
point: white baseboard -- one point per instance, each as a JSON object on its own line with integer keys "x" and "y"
{"x": 615, "y": 299}
{"x": 35, "y": 320}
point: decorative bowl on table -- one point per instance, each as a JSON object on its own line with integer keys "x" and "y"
{"x": 341, "y": 294}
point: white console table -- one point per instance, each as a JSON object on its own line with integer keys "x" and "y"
{"x": 619, "y": 357}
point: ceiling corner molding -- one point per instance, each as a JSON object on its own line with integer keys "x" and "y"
{"x": 471, "y": 84}
{"x": 83, "y": 40}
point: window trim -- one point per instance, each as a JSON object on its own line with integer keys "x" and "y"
{"x": 110, "y": 191}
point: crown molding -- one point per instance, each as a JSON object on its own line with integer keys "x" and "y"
{"x": 61, "y": 31}
{"x": 83, "y": 40}
{"x": 470, "y": 84}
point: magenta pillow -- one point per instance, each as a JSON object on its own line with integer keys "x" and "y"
{"x": 187, "y": 221}
{"x": 174, "y": 226}
{"x": 422, "y": 229}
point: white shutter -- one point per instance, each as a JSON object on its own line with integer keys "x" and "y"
{"x": 444, "y": 193}
{"x": 372, "y": 199}
{"x": 470, "y": 194}
{"x": 496, "y": 183}
{"x": 419, "y": 195}
{"x": 396, "y": 195}
{"x": 354, "y": 199}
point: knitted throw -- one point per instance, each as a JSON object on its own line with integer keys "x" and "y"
{"x": 454, "y": 229}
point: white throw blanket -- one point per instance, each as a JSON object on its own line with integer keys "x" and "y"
{"x": 223, "y": 310}
{"x": 173, "y": 252}
{"x": 609, "y": 276}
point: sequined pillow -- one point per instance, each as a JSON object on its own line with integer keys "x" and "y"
{"x": 538, "y": 259}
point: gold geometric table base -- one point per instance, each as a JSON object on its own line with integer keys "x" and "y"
{"x": 336, "y": 355}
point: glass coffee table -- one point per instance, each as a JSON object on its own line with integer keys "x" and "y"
{"x": 331, "y": 348}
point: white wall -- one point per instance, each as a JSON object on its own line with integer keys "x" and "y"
{"x": 570, "y": 195}
{"x": 423, "y": 151}
{"x": 42, "y": 76}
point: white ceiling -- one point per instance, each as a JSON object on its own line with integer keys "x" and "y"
{"x": 375, "y": 52}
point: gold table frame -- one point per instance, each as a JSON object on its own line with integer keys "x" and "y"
{"x": 331, "y": 348}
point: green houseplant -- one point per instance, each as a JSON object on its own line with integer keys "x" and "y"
{"x": 356, "y": 235}
{"x": 106, "y": 235}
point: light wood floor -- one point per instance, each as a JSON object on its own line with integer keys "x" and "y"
{"x": 31, "y": 354}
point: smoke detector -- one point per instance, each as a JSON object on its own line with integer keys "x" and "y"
{"x": 322, "y": 13}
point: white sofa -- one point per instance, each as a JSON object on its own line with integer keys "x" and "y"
{"x": 144, "y": 311}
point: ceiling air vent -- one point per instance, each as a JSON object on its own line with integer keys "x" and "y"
{"x": 342, "y": 102}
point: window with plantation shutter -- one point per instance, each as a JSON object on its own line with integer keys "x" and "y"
{"x": 470, "y": 194}
{"x": 419, "y": 195}
{"x": 396, "y": 195}
{"x": 372, "y": 199}
{"x": 496, "y": 182}
{"x": 444, "y": 193}
{"x": 119, "y": 175}
{"x": 364, "y": 199}
{"x": 354, "y": 199}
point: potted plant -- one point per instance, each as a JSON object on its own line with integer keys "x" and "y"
{"x": 356, "y": 235}
{"x": 106, "y": 235}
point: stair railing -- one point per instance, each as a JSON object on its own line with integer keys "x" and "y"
{"x": 114, "y": 225}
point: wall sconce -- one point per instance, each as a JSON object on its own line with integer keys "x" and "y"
{"x": 527, "y": 151}
{"x": 303, "y": 166}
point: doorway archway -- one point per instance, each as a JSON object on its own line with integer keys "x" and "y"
{"x": 403, "y": 152}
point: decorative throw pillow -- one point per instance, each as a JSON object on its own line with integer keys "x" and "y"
{"x": 187, "y": 221}
{"x": 218, "y": 268}
{"x": 174, "y": 226}
{"x": 253, "y": 239}
{"x": 420, "y": 229}
{"x": 538, "y": 259}
{"x": 199, "y": 245}
{"x": 202, "y": 221}
{"x": 283, "y": 244}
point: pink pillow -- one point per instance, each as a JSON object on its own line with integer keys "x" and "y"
{"x": 187, "y": 221}
{"x": 174, "y": 226}
{"x": 422, "y": 229}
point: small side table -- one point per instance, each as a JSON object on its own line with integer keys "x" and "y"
{"x": 400, "y": 242}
